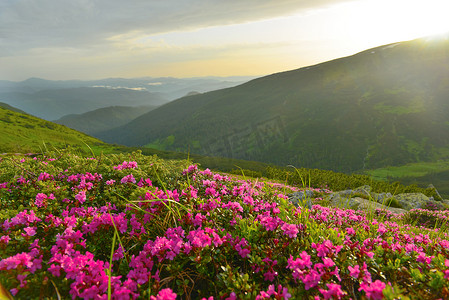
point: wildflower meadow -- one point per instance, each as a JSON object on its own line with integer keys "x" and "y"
{"x": 129, "y": 226}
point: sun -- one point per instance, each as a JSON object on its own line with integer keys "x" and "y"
{"x": 410, "y": 18}
{"x": 426, "y": 17}
{"x": 369, "y": 23}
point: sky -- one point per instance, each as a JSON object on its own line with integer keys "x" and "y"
{"x": 93, "y": 39}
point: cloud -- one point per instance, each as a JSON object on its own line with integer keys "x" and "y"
{"x": 30, "y": 24}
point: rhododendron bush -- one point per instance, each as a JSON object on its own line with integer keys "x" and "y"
{"x": 132, "y": 226}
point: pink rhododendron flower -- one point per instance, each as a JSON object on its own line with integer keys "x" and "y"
{"x": 423, "y": 258}
{"x": 128, "y": 179}
{"x": 190, "y": 169}
{"x": 373, "y": 290}
{"x": 30, "y": 231}
{"x": 81, "y": 197}
{"x": 44, "y": 176}
{"x": 350, "y": 231}
{"x": 281, "y": 293}
{"x": 334, "y": 292}
{"x": 354, "y": 271}
{"x": 232, "y": 296}
{"x": 5, "y": 239}
{"x": 328, "y": 262}
{"x": 164, "y": 294}
{"x": 126, "y": 165}
{"x": 290, "y": 230}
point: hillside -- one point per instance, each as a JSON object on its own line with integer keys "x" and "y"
{"x": 53, "y": 104}
{"x": 24, "y": 133}
{"x": 384, "y": 106}
{"x": 7, "y": 106}
{"x": 103, "y": 119}
{"x": 131, "y": 226}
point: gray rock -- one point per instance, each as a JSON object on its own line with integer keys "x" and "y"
{"x": 410, "y": 201}
{"x": 358, "y": 203}
{"x": 345, "y": 192}
{"x": 337, "y": 200}
{"x": 302, "y": 198}
{"x": 381, "y": 198}
{"x": 431, "y": 186}
{"x": 364, "y": 190}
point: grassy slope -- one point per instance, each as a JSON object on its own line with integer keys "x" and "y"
{"x": 24, "y": 133}
{"x": 364, "y": 111}
{"x": 421, "y": 174}
{"x": 7, "y": 106}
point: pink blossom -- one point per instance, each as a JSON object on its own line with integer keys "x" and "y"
{"x": 422, "y": 258}
{"x": 128, "y": 179}
{"x": 190, "y": 169}
{"x": 311, "y": 280}
{"x": 290, "y": 230}
{"x": 373, "y": 290}
{"x": 40, "y": 200}
{"x": 126, "y": 165}
{"x": 30, "y": 231}
{"x": 354, "y": 271}
{"x": 5, "y": 239}
{"x": 81, "y": 197}
{"x": 334, "y": 292}
{"x": 350, "y": 231}
{"x": 164, "y": 294}
{"x": 328, "y": 262}
{"x": 270, "y": 275}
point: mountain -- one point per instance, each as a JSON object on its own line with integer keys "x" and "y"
{"x": 24, "y": 133}
{"x": 55, "y": 103}
{"x": 103, "y": 119}
{"x": 384, "y": 106}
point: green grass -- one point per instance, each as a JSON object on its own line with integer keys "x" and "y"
{"x": 24, "y": 133}
{"x": 409, "y": 170}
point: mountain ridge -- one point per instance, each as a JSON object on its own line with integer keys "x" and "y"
{"x": 102, "y": 119}
{"x": 376, "y": 101}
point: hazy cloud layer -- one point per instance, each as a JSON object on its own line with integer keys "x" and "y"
{"x": 34, "y": 24}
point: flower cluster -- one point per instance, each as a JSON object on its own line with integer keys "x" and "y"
{"x": 96, "y": 231}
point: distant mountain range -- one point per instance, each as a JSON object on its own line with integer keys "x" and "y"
{"x": 384, "y": 106}
{"x": 54, "y": 103}
{"x": 54, "y": 99}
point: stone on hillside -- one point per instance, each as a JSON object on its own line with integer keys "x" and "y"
{"x": 337, "y": 200}
{"x": 358, "y": 203}
{"x": 410, "y": 201}
{"x": 381, "y": 197}
{"x": 301, "y": 198}
{"x": 431, "y": 186}
{"x": 364, "y": 190}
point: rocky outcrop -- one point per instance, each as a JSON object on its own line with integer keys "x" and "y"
{"x": 412, "y": 200}
{"x": 358, "y": 203}
{"x": 362, "y": 198}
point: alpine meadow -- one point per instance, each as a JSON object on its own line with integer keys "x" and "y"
{"x": 224, "y": 150}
